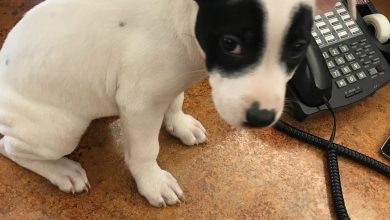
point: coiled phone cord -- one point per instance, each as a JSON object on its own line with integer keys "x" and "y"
{"x": 332, "y": 151}
{"x": 333, "y": 171}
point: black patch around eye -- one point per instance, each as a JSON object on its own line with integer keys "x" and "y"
{"x": 242, "y": 19}
{"x": 293, "y": 52}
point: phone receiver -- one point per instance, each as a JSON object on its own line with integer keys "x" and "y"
{"x": 312, "y": 80}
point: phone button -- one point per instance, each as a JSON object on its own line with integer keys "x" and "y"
{"x": 368, "y": 62}
{"x": 355, "y": 30}
{"x": 344, "y": 48}
{"x": 318, "y": 18}
{"x": 326, "y": 55}
{"x": 338, "y": 27}
{"x": 361, "y": 75}
{"x": 343, "y": 34}
{"x": 341, "y": 83}
{"x": 346, "y": 70}
{"x": 329, "y": 14}
{"x": 335, "y": 73}
{"x": 330, "y": 38}
{"x": 340, "y": 61}
{"x": 380, "y": 68}
{"x": 346, "y": 17}
{"x": 349, "y": 57}
{"x": 334, "y": 21}
{"x": 341, "y": 10}
{"x": 339, "y": 5}
{"x": 358, "y": 90}
{"x": 350, "y": 24}
{"x": 330, "y": 64}
{"x": 353, "y": 92}
{"x": 334, "y": 52}
{"x": 355, "y": 66}
{"x": 354, "y": 43}
{"x": 321, "y": 25}
{"x": 325, "y": 32}
{"x": 351, "y": 79}
{"x": 363, "y": 55}
{"x": 372, "y": 71}
{"x": 350, "y": 93}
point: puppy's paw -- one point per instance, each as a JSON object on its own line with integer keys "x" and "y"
{"x": 189, "y": 130}
{"x": 68, "y": 175}
{"x": 160, "y": 188}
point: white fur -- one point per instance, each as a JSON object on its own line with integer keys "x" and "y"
{"x": 78, "y": 64}
{"x": 68, "y": 62}
{"x": 183, "y": 126}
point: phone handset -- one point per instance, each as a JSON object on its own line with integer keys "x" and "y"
{"x": 312, "y": 80}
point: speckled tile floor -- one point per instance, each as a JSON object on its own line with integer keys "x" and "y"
{"x": 238, "y": 174}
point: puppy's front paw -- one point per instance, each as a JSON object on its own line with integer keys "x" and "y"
{"x": 189, "y": 130}
{"x": 160, "y": 188}
{"x": 68, "y": 175}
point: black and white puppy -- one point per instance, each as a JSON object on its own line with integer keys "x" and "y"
{"x": 68, "y": 62}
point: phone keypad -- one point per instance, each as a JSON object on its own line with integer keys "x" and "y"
{"x": 353, "y": 62}
{"x": 335, "y": 26}
{"x": 349, "y": 56}
{"x": 344, "y": 58}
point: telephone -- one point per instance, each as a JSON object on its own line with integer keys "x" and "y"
{"x": 344, "y": 63}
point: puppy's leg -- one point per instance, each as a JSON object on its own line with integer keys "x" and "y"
{"x": 68, "y": 175}
{"x": 141, "y": 128}
{"x": 183, "y": 126}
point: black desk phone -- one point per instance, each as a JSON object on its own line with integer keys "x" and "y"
{"x": 344, "y": 62}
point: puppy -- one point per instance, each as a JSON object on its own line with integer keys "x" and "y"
{"x": 68, "y": 62}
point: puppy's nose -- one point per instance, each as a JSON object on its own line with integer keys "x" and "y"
{"x": 255, "y": 117}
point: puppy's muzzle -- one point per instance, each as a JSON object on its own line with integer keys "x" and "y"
{"x": 258, "y": 118}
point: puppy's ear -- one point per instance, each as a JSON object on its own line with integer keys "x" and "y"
{"x": 202, "y": 2}
{"x": 199, "y": 1}
{"x": 327, "y": 5}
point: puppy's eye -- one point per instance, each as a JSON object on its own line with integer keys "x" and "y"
{"x": 298, "y": 48}
{"x": 231, "y": 44}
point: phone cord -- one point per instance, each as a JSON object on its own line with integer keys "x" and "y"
{"x": 333, "y": 171}
{"x": 333, "y": 150}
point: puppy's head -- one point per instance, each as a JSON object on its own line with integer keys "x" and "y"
{"x": 252, "y": 48}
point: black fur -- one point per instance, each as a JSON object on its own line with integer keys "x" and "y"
{"x": 298, "y": 37}
{"x": 243, "y": 20}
